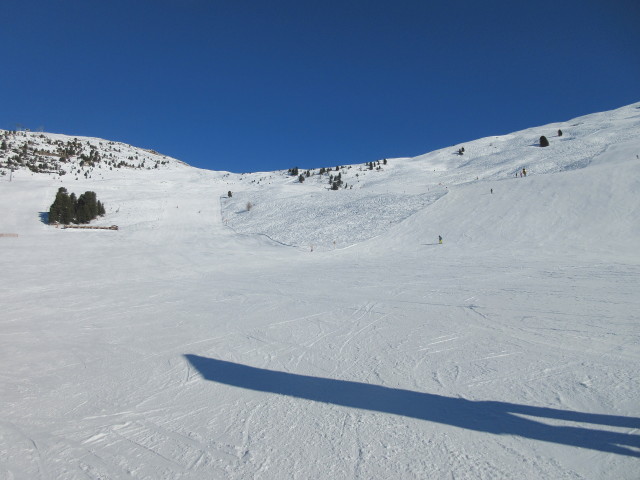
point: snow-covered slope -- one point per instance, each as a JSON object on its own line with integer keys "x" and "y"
{"x": 322, "y": 333}
{"x": 77, "y": 157}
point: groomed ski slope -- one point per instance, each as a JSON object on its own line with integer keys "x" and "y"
{"x": 325, "y": 334}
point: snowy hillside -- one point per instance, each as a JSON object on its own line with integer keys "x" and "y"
{"x": 291, "y": 330}
{"x": 78, "y": 157}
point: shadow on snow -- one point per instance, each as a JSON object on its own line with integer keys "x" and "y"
{"x": 499, "y": 418}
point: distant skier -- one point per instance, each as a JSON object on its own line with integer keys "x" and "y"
{"x": 524, "y": 172}
{"x": 440, "y": 239}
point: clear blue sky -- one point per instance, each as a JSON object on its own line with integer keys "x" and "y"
{"x": 262, "y": 85}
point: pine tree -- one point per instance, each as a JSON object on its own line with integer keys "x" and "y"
{"x": 68, "y": 211}
{"x": 86, "y": 207}
{"x": 58, "y": 207}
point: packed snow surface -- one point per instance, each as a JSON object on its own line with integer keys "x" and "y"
{"x": 293, "y": 331}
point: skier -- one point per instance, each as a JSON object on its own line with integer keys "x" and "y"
{"x": 440, "y": 239}
{"x": 524, "y": 172}
{"x": 492, "y": 191}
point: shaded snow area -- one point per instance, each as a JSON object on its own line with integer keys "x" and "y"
{"x": 207, "y": 340}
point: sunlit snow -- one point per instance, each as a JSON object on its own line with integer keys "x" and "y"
{"x": 326, "y": 334}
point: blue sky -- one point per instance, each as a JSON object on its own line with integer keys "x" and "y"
{"x": 243, "y": 85}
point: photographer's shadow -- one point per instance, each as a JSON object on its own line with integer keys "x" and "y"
{"x": 498, "y": 418}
